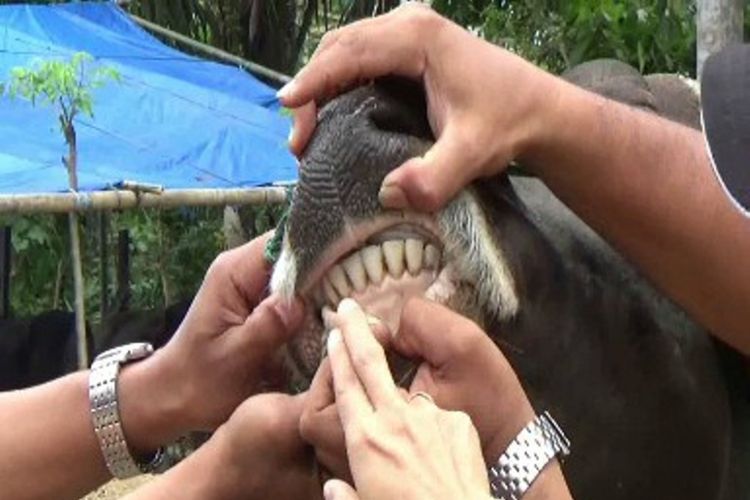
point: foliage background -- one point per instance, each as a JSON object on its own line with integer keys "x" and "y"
{"x": 172, "y": 248}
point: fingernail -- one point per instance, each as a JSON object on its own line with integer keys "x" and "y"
{"x": 334, "y": 340}
{"x": 290, "y": 136}
{"x": 392, "y": 196}
{"x": 348, "y": 306}
{"x": 329, "y": 490}
{"x": 286, "y": 90}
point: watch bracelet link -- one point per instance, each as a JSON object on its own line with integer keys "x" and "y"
{"x": 526, "y": 456}
{"x": 105, "y": 412}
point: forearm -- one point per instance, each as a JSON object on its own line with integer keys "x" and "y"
{"x": 515, "y": 414}
{"x": 49, "y": 449}
{"x": 205, "y": 475}
{"x": 647, "y": 186}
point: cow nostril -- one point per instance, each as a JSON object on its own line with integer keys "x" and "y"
{"x": 401, "y": 122}
{"x": 402, "y": 109}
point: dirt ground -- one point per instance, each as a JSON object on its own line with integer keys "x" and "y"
{"x": 118, "y": 489}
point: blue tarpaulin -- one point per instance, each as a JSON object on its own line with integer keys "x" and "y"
{"x": 174, "y": 119}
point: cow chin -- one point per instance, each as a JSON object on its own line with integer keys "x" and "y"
{"x": 382, "y": 262}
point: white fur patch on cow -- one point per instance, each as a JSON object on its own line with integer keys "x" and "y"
{"x": 285, "y": 272}
{"x": 475, "y": 255}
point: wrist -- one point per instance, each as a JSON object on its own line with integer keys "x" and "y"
{"x": 151, "y": 410}
{"x": 529, "y": 467}
{"x": 550, "y": 483}
{"x": 207, "y": 474}
{"x": 516, "y": 413}
{"x": 213, "y": 471}
{"x": 548, "y": 115}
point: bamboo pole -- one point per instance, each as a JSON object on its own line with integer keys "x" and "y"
{"x": 213, "y": 51}
{"x": 124, "y": 199}
{"x": 719, "y": 23}
{"x": 80, "y": 310}
{"x": 71, "y": 163}
{"x": 103, "y": 263}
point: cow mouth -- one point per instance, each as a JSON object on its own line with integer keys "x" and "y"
{"x": 388, "y": 268}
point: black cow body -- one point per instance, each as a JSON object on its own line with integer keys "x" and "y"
{"x": 153, "y": 326}
{"x": 635, "y": 384}
{"x": 38, "y": 349}
{"x": 633, "y": 381}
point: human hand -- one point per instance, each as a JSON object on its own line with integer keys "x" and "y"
{"x": 461, "y": 74}
{"x": 397, "y": 448}
{"x": 458, "y": 360}
{"x": 257, "y": 453}
{"x": 219, "y": 356}
{"x": 265, "y": 452}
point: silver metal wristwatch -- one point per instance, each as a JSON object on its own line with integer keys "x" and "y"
{"x": 105, "y": 412}
{"x": 526, "y": 456}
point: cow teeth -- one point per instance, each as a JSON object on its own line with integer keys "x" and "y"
{"x": 372, "y": 257}
{"x": 339, "y": 282}
{"x": 431, "y": 257}
{"x": 414, "y": 251}
{"x": 330, "y": 293}
{"x": 394, "y": 257}
{"x": 355, "y": 269}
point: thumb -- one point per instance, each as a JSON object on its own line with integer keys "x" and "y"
{"x": 426, "y": 183}
{"x": 433, "y": 332}
{"x": 335, "y": 489}
{"x": 270, "y": 325}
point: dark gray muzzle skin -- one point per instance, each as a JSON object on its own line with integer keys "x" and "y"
{"x": 371, "y": 129}
{"x": 631, "y": 379}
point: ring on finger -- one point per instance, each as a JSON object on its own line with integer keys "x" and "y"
{"x": 421, "y": 394}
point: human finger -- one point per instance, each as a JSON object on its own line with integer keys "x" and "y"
{"x": 361, "y": 52}
{"x": 367, "y": 355}
{"x": 351, "y": 398}
{"x": 323, "y": 431}
{"x": 272, "y": 323}
{"x": 305, "y": 118}
{"x": 428, "y": 182}
{"x": 335, "y": 489}
{"x": 320, "y": 425}
{"x": 320, "y": 394}
{"x": 334, "y": 464}
{"x": 438, "y": 335}
{"x": 243, "y": 269}
{"x": 464, "y": 445}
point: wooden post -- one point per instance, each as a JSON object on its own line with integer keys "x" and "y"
{"x": 103, "y": 263}
{"x": 720, "y": 23}
{"x": 123, "y": 199}
{"x": 71, "y": 163}
{"x": 123, "y": 270}
{"x": 80, "y": 309}
{"x": 5, "y": 267}
{"x": 219, "y": 54}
